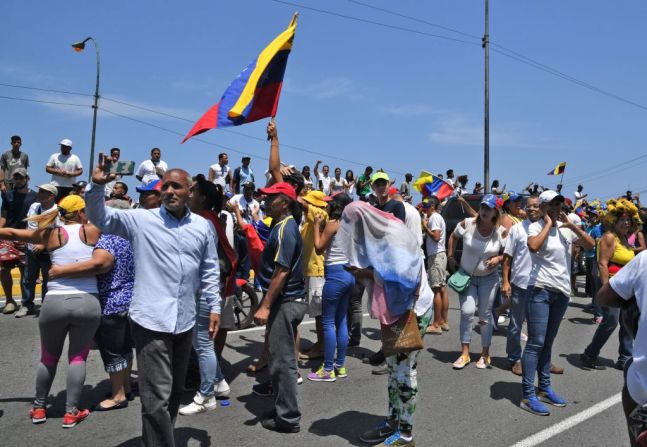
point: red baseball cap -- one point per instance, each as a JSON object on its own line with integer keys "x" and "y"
{"x": 393, "y": 191}
{"x": 280, "y": 188}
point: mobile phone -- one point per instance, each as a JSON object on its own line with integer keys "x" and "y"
{"x": 119, "y": 168}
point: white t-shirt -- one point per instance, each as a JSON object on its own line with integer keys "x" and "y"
{"x": 148, "y": 172}
{"x": 551, "y": 265}
{"x": 67, "y": 163}
{"x": 478, "y": 249}
{"x": 516, "y": 246}
{"x": 325, "y": 182}
{"x": 220, "y": 174}
{"x": 337, "y": 185}
{"x": 413, "y": 222}
{"x": 351, "y": 188}
{"x": 631, "y": 281}
{"x": 436, "y": 222}
{"x": 578, "y": 195}
{"x": 36, "y": 209}
{"x": 246, "y": 208}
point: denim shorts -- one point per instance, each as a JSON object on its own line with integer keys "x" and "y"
{"x": 115, "y": 342}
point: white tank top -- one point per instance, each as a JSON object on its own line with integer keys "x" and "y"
{"x": 334, "y": 254}
{"x": 74, "y": 250}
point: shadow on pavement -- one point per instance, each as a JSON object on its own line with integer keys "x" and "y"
{"x": 182, "y": 437}
{"x": 372, "y": 333}
{"x": 574, "y": 359}
{"x": 506, "y": 390}
{"x": 579, "y": 320}
{"x": 444, "y": 356}
{"x": 347, "y": 425}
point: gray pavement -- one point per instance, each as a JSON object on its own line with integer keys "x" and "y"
{"x": 456, "y": 408}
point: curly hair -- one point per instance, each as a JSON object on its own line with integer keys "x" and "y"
{"x": 617, "y": 208}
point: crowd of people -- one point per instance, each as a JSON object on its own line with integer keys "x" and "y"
{"x": 316, "y": 245}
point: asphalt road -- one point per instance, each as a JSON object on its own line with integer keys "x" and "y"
{"x": 456, "y": 408}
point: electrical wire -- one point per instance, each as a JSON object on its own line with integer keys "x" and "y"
{"x": 146, "y": 123}
{"x": 596, "y": 173}
{"x": 3, "y": 84}
{"x": 16, "y": 98}
{"x": 373, "y": 22}
{"x": 495, "y": 47}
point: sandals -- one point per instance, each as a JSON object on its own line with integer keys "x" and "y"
{"x": 257, "y": 366}
{"x": 462, "y": 362}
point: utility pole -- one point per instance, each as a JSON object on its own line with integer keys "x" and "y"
{"x": 486, "y": 116}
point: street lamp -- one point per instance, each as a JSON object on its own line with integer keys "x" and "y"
{"x": 78, "y": 47}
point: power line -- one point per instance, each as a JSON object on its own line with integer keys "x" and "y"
{"x": 44, "y": 89}
{"x": 373, "y": 22}
{"x": 146, "y": 123}
{"x": 500, "y": 49}
{"x": 593, "y": 174}
{"x": 416, "y": 19}
{"x": 16, "y": 98}
{"x": 283, "y": 145}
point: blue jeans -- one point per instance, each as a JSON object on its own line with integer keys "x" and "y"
{"x": 544, "y": 311}
{"x": 611, "y": 316}
{"x": 482, "y": 291}
{"x": 334, "y": 312}
{"x": 517, "y": 315}
{"x": 35, "y": 263}
{"x": 210, "y": 372}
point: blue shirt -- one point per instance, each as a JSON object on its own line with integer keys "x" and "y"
{"x": 116, "y": 286}
{"x": 596, "y": 233}
{"x": 285, "y": 248}
{"x": 173, "y": 260}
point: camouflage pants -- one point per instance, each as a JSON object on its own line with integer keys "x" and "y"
{"x": 403, "y": 381}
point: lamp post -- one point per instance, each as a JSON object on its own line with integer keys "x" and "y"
{"x": 78, "y": 47}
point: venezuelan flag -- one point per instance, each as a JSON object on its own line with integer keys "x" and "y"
{"x": 255, "y": 92}
{"x": 432, "y": 185}
{"x": 559, "y": 169}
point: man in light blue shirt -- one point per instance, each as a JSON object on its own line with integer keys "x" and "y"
{"x": 175, "y": 256}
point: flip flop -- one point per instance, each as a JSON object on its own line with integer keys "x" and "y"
{"x": 119, "y": 406}
{"x": 256, "y": 367}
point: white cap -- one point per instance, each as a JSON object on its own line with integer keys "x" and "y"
{"x": 49, "y": 188}
{"x": 66, "y": 142}
{"x": 549, "y": 195}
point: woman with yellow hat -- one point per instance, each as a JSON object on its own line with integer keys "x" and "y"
{"x": 614, "y": 251}
{"x": 71, "y": 305}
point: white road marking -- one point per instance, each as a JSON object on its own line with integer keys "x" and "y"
{"x": 262, "y": 328}
{"x": 570, "y": 422}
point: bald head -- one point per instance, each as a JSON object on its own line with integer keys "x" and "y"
{"x": 176, "y": 190}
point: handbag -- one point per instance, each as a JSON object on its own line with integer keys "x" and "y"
{"x": 460, "y": 280}
{"x": 403, "y": 336}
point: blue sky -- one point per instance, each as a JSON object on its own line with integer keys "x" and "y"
{"x": 355, "y": 91}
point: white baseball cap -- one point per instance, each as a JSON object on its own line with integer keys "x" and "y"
{"x": 66, "y": 142}
{"x": 550, "y": 195}
{"x": 49, "y": 188}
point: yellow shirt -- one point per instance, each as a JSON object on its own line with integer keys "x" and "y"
{"x": 314, "y": 263}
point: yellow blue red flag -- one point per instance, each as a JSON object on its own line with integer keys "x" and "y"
{"x": 255, "y": 92}
{"x": 559, "y": 169}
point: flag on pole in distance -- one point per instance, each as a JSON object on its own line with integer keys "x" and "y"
{"x": 559, "y": 169}
{"x": 432, "y": 185}
{"x": 255, "y": 92}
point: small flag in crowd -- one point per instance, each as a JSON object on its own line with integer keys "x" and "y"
{"x": 559, "y": 169}
{"x": 255, "y": 92}
{"x": 431, "y": 185}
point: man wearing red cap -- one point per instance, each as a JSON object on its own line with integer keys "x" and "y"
{"x": 283, "y": 306}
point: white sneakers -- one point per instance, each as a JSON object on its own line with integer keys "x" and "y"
{"x": 202, "y": 403}
{"x": 222, "y": 389}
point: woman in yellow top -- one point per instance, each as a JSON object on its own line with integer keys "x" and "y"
{"x": 614, "y": 251}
